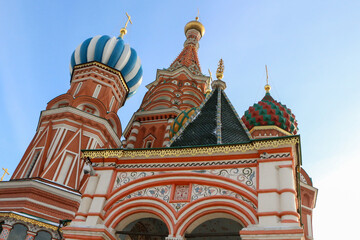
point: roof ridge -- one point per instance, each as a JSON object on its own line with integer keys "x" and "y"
{"x": 218, "y": 117}
{"x": 237, "y": 115}
{"x": 215, "y": 122}
{"x": 188, "y": 57}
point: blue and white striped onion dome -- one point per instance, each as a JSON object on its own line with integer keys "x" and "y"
{"x": 114, "y": 53}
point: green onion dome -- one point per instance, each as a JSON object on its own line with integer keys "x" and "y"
{"x": 270, "y": 112}
{"x": 180, "y": 120}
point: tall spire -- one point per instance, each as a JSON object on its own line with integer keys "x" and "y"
{"x": 188, "y": 57}
{"x": 267, "y": 86}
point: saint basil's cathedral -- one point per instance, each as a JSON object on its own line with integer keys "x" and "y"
{"x": 189, "y": 166}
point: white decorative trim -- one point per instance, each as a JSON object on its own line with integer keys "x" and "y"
{"x": 134, "y": 130}
{"x": 132, "y": 138}
{"x": 97, "y": 91}
{"x": 85, "y": 115}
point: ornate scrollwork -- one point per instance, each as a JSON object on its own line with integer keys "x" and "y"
{"x": 176, "y": 152}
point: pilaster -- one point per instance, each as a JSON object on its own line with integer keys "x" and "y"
{"x": 30, "y": 235}
{"x": 131, "y": 140}
{"x": 5, "y": 232}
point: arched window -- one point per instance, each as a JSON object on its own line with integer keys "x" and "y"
{"x": 97, "y": 91}
{"x": 77, "y": 88}
{"x": 111, "y": 103}
{"x": 144, "y": 228}
{"x": 35, "y": 157}
{"x": 43, "y": 235}
{"x": 216, "y": 229}
{"x": 18, "y": 232}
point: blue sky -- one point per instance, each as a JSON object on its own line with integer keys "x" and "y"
{"x": 311, "y": 48}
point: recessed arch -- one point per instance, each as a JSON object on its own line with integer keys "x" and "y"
{"x": 215, "y": 226}
{"x": 133, "y": 209}
{"x": 201, "y": 218}
{"x": 43, "y": 235}
{"x": 148, "y": 227}
{"x": 18, "y": 231}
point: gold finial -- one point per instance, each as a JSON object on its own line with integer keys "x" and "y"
{"x": 208, "y": 83}
{"x": 195, "y": 24}
{"x": 5, "y": 172}
{"x": 267, "y": 86}
{"x": 123, "y": 30}
{"x": 220, "y": 70}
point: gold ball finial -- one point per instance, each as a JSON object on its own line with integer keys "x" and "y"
{"x": 123, "y": 30}
{"x": 220, "y": 70}
{"x": 267, "y": 88}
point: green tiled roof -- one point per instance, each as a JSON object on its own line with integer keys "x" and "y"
{"x": 215, "y": 122}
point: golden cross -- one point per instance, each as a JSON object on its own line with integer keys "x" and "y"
{"x": 210, "y": 75}
{"x": 5, "y": 172}
{"x": 123, "y": 30}
{"x": 197, "y": 16}
{"x": 128, "y": 20}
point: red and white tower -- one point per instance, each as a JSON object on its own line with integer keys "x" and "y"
{"x": 84, "y": 117}
{"x": 181, "y": 86}
{"x": 51, "y": 176}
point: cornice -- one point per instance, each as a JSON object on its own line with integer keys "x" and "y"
{"x": 43, "y": 186}
{"x": 104, "y": 67}
{"x": 78, "y": 112}
{"x": 191, "y": 151}
{"x": 30, "y": 219}
{"x": 270, "y": 127}
{"x": 151, "y": 112}
{"x": 165, "y": 72}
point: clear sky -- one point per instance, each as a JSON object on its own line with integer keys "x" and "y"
{"x": 312, "y": 50}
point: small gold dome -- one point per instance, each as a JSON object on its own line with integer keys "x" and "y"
{"x": 267, "y": 88}
{"x": 195, "y": 25}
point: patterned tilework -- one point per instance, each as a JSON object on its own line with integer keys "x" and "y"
{"x": 242, "y": 175}
{"x": 30, "y": 236}
{"x": 4, "y": 234}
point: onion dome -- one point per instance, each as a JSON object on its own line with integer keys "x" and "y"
{"x": 112, "y": 52}
{"x": 180, "y": 120}
{"x": 195, "y": 25}
{"x": 270, "y": 112}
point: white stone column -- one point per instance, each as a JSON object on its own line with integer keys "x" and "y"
{"x": 99, "y": 198}
{"x": 287, "y": 191}
{"x": 86, "y": 200}
{"x": 268, "y": 198}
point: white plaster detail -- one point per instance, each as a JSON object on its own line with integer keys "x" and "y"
{"x": 96, "y": 91}
{"x": 78, "y": 88}
{"x": 131, "y": 138}
{"x": 78, "y": 112}
{"x": 135, "y": 131}
{"x": 111, "y": 103}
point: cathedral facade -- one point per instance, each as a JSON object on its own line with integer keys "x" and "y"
{"x": 189, "y": 166}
